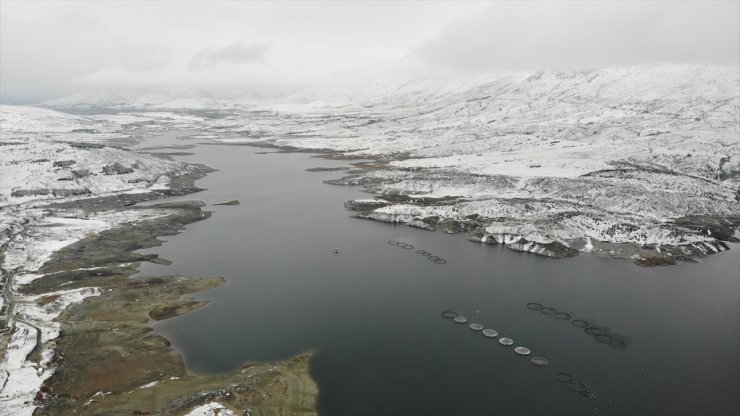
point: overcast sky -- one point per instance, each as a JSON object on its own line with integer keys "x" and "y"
{"x": 53, "y": 48}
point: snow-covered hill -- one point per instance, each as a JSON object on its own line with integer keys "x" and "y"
{"x": 49, "y": 155}
{"x": 586, "y": 159}
{"x": 583, "y": 158}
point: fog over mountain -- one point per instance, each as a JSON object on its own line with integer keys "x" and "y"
{"x": 51, "y": 49}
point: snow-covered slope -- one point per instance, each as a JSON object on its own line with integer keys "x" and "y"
{"x": 574, "y": 157}
{"x": 578, "y": 157}
{"x": 48, "y": 155}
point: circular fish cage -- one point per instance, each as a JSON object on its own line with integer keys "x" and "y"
{"x": 476, "y": 327}
{"x": 490, "y": 333}
{"x": 393, "y": 242}
{"x": 406, "y": 246}
{"x": 506, "y": 341}
{"x": 577, "y": 386}
{"x": 618, "y": 344}
{"x": 432, "y": 258}
{"x": 424, "y": 253}
{"x": 460, "y": 319}
{"x": 440, "y": 261}
{"x": 549, "y": 311}
{"x": 450, "y": 314}
{"x": 603, "y": 339}
{"x": 563, "y": 316}
{"x": 563, "y": 377}
{"x": 534, "y": 306}
{"x": 594, "y": 330}
{"x": 580, "y": 323}
{"x": 539, "y": 361}
{"x": 522, "y": 350}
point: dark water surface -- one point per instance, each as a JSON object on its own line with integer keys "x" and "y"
{"x": 372, "y": 313}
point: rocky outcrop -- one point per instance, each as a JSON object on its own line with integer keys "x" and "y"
{"x": 232, "y": 202}
{"x": 365, "y": 204}
{"x": 29, "y": 192}
{"x": 63, "y": 163}
{"x": 479, "y": 229}
{"x": 116, "y": 169}
{"x": 70, "y": 192}
{"x": 553, "y": 249}
{"x": 721, "y": 228}
{"x": 453, "y": 226}
{"x": 81, "y": 173}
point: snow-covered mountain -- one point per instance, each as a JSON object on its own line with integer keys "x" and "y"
{"x": 577, "y": 158}
{"x": 582, "y": 159}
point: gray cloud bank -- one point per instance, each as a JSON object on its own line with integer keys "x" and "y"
{"x": 49, "y": 49}
{"x": 237, "y": 53}
{"x": 540, "y": 34}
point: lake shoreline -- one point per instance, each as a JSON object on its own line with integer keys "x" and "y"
{"x": 57, "y": 394}
{"x": 476, "y": 227}
{"x": 103, "y": 358}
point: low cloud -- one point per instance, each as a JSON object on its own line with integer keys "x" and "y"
{"x": 237, "y": 53}
{"x": 566, "y": 34}
{"x": 53, "y": 48}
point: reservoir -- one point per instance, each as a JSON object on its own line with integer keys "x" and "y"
{"x": 371, "y": 314}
